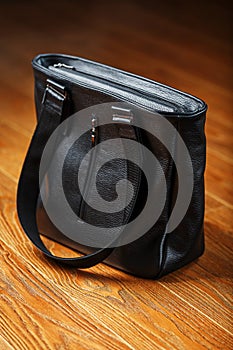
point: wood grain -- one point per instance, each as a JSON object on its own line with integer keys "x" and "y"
{"x": 46, "y": 306}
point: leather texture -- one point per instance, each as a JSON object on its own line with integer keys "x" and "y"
{"x": 89, "y": 83}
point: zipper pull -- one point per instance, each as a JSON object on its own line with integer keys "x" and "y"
{"x": 63, "y": 65}
{"x": 93, "y": 130}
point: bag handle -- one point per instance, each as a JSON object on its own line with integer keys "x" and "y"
{"x": 53, "y": 110}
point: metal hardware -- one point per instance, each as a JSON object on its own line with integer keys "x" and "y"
{"x": 56, "y": 88}
{"x": 122, "y": 115}
{"x": 63, "y": 65}
{"x": 93, "y": 129}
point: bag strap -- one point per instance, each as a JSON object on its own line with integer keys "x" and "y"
{"x": 53, "y": 111}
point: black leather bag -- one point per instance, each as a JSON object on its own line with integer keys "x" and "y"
{"x": 65, "y": 85}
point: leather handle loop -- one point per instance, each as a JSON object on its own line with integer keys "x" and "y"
{"x": 53, "y": 111}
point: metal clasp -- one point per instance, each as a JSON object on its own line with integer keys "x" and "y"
{"x": 56, "y": 88}
{"x": 122, "y": 115}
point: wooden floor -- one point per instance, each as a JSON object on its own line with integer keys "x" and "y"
{"x": 45, "y": 306}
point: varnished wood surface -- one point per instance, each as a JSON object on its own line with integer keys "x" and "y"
{"x": 45, "y": 306}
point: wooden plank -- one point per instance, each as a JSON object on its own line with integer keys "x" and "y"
{"x": 76, "y": 299}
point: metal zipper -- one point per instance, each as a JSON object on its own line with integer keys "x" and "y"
{"x": 63, "y": 65}
{"x": 70, "y": 70}
{"x": 94, "y": 140}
